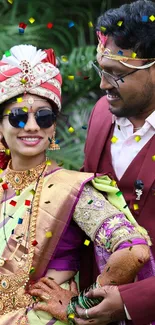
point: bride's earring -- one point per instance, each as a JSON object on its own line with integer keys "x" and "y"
{"x": 53, "y": 145}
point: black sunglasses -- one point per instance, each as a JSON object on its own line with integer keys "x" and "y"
{"x": 45, "y": 118}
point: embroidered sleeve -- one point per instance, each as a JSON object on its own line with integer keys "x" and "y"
{"x": 101, "y": 221}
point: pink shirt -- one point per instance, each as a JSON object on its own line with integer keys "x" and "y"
{"x": 126, "y": 147}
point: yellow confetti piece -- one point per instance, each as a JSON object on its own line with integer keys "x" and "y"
{"x": 103, "y": 29}
{"x": 19, "y": 99}
{"x": 64, "y": 58}
{"x": 120, "y": 23}
{"x": 113, "y": 183}
{"x": 32, "y": 270}
{"x": 17, "y": 192}
{"x": 90, "y": 24}
{"x": 87, "y": 242}
{"x": 31, "y": 20}
{"x": 32, "y": 192}
{"x": 70, "y": 77}
{"x": 25, "y": 109}
{"x": 71, "y": 316}
{"x": 133, "y": 55}
{"x": 48, "y": 162}
{"x": 114, "y": 139}
{"x": 136, "y": 206}
{"x": 7, "y": 152}
{"x": 1, "y": 170}
{"x": 153, "y": 158}
{"x": 7, "y": 111}
{"x": 48, "y": 234}
{"x": 152, "y": 18}
{"x": 71, "y": 129}
{"x": 137, "y": 138}
{"x": 10, "y": 1}
{"x": 23, "y": 81}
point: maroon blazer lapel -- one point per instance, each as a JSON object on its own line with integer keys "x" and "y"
{"x": 98, "y": 130}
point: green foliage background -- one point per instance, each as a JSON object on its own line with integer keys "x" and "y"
{"x": 76, "y": 43}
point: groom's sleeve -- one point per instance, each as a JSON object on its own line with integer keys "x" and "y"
{"x": 139, "y": 299}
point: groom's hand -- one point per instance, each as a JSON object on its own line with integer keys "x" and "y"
{"x": 111, "y": 309}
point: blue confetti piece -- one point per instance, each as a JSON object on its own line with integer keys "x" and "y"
{"x": 21, "y": 30}
{"x": 57, "y": 141}
{"x": 20, "y": 221}
{"x": 12, "y": 232}
{"x": 21, "y": 124}
{"x": 70, "y": 24}
{"x": 120, "y": 52}
{"x": 145, "y": 19}
{"x": 84, "y": 127}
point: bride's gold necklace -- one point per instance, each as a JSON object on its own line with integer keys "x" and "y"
{"x": 19, "y": 180}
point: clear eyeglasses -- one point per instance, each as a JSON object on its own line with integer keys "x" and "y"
{"x": 113, "y": 80}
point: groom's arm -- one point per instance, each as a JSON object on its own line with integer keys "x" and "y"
{"x": 139, "y": 299}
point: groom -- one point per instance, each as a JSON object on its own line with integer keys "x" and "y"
{"x": 121, "y": 142}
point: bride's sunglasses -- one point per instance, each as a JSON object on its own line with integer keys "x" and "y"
{"x": 45, "y": 118}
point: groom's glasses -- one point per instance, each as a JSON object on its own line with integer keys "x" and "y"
{"x": 45, "y": 118}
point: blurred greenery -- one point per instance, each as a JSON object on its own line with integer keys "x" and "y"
{"x": 75, "y": 50}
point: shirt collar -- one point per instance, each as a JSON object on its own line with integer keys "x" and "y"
{"x": 123, "y": 121}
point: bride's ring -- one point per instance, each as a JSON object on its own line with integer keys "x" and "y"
{"x": 86, "y": 313}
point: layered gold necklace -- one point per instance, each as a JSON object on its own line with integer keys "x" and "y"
{"x": 19, "y": 180}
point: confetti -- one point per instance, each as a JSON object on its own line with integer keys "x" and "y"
{"x": 84, "y": 127}
{"x": 70, "y": 24}
{"x": 125, "y": 206}
{"x": 113, "y": 183}
{"x": 135, "y": 206}
{"x": 114, "y": 139}
{"x": 17, "y": 192}
{"x": 21, "y": 124}
{"x": 10, "y": 1}
{"x": 31, "y": 20}
{"x": 27, "y": 203}
{"x": 19, "y": 100}
{"x": 49, "y": 186}
{"x": 5, "y": 186}
{"x": 48, "y": 234}
{"x": 1, "y": 170}
{"x": 32, "y": 192}
{"x": 137, "y": 138}
{"x": 70, "y": 77}
{"x": 153, "y": 158}
{"x": 90, "y": 201}
{"x": 119, "y": 127}
{"x": 120, "y": 52}
{"x": 120, "y": 23}
{"x": 47, "y": 202}
{"x": 86, "y": 242}
{"x": 7, "y": 111}
{"x": 152, "y": 18}
{"x": 48, "y": 162}
{"x": 90, "y": 24}
{"x": 1, "y": 180}
{"x": 71, "y": 316}
{"x": 64, "y": 58}
{"x": 71, "y": 129}
{"x": 32, "y": 270}
{"x": 108, "y": 269}
{"x": 12, "y": 232}
{"x": 34, "y": 242}
{"x": 11, "y": 217}
{"x": 133, "y": 55}
{"x": 22, "y": 25}
{"x": 7, "y": 152}
{"x": 7, "y": 53}
{"x": 23, "y": 81}
{"x": 145, "y": 19}
{"x": 49, "y": 25}
{"x": 103, "y": 29}
{"x": 13, "y": 203}
{"x": 60, "y": 163}
{"x": 119, "y": 193}
{"x": 21, "y": 30}
{"x": 20, "y": 221}
{"x": 140, "y": 261}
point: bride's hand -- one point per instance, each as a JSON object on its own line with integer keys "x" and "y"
{"x": 56, "y": 298}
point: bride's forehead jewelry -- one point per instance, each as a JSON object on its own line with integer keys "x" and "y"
{"x": 108, "y": 54}
{"x": 29, "y": 100}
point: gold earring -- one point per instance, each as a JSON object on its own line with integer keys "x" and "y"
{"x": 53, "y": 145}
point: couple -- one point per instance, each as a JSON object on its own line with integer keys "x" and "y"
{"x": 42, "y": 204}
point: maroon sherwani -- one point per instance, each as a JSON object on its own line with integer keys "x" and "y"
{"x": 139, "y": 297}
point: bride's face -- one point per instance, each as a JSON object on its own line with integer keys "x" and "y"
{"x": 33, "y": 128}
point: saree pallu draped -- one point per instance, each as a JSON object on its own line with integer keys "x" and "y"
{"x": 60, "y": 194}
